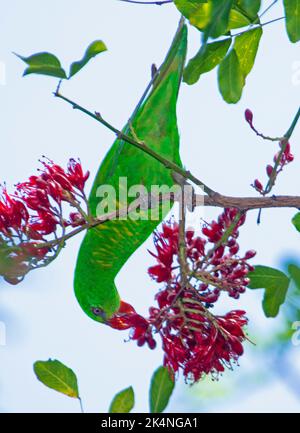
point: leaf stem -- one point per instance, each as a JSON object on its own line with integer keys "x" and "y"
{"x": 268, "y": 8}
{"x": 81, "y": 405}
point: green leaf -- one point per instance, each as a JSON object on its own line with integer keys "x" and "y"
{"x": 275, "y": 283}
{"x": 237, "y": 64}
{"x": 249, "y": 7}
{"x": 207, "y": 58}
{"x": 201, "y": 14}
{"x": 237, "y": 20}
{"x": 292, "y": 19}
{"x": 219, "y": 18}
{"x": 197, "y": 11}
{"x": 161, "y": 388}
{"x": 57, "y": 376}
{"x": 189, "y": 7}
{"x": 123, "y": 402}
{"x": 106, "y": 248}
{"x": 296, "y": 221}
{"x": 43, "y": 64}
{"x": 246, "y": 47}
{"x": 230, "y": 78}
{"x": 93, "y": 50}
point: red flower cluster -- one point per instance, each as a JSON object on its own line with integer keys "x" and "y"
{"x": 280, "y": 160}
{"x": 213, "y": 261}
{"x": 193, "y": 339}
{"x": 203, "y": 344}
{"x": 34, "y": 212}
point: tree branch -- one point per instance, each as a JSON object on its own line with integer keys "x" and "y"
{"x": 218, "y": 200}
{"x": 250, "y": 203}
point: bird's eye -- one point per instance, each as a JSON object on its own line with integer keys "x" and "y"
{"x": 97, "y": 311}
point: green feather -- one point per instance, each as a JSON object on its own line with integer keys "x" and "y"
{"x": 106, "y": 248}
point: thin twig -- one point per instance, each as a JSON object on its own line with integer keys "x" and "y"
{"x": 268, "y": 8}
{"x": 139, "y": 144}
{"x": 157, "y": 3}
{"x": 254, "y": 26}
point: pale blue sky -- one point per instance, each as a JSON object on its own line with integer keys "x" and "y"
{"x": 43, "y": 317}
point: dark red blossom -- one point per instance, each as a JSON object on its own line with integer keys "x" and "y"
{"x": 204, "y": 344}
{"x": 166, "y": 244}
{"x": 194, "y": 340}
{"x": 34, "y": 212}
{"x": 216, "y": 267}
{"x": 126, "y": 317}
{"x": 44, "y": 223}
{"x": 13, "y": 213}
{"x": 76, "y": 175}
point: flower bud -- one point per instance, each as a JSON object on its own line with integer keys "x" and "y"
{"x": 258, "y": 185}
{"x": 250, "y": 254}
{"x": 249, "y": 116}
{"x": 269, "y": 170}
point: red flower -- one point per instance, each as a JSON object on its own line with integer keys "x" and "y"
{"x": 217, "y": 265}
{"x": 202, "y": 343}
{"x": 194, "y": 340}
{"x": 44, "y": 223}
{"x": 13, "y": 213}
{"x": 76, "y": 175}
{"x": 34, "y": 212}
{"x": 160, "y": 272}
{"x": 166, "y": 244}
{"x": 125, "y": 318}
